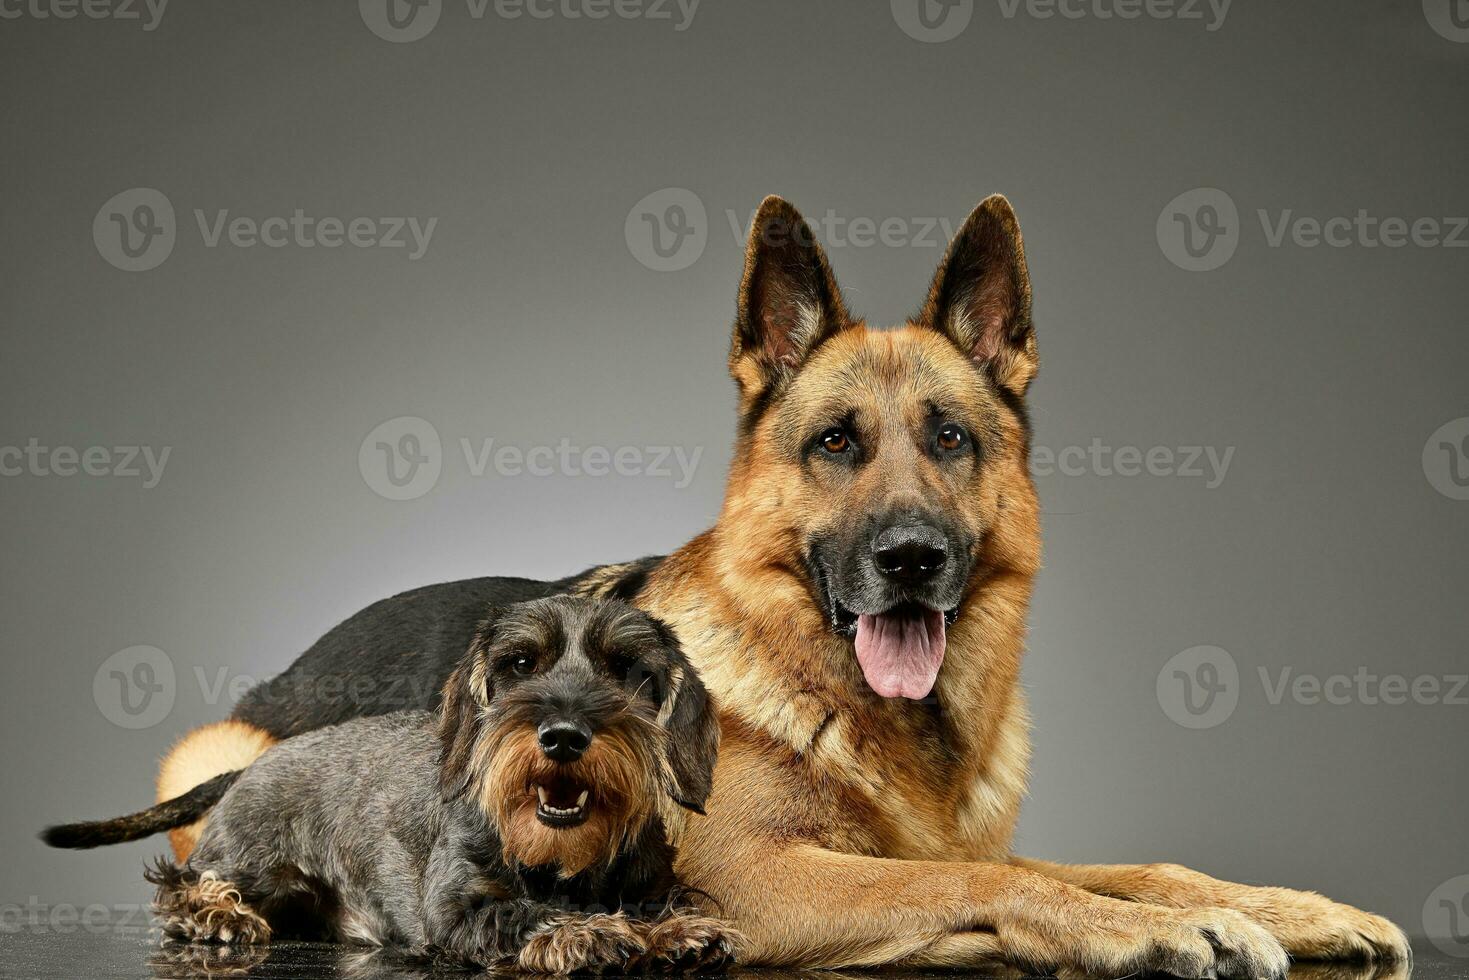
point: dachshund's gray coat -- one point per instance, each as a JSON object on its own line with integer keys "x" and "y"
{"x": 532, "y": 820}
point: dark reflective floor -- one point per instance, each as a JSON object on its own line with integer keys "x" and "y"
{"x": 85, "y": 956}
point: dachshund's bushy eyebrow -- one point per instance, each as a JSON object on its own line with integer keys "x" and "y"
{"x": 615, "y": 628}
{"x": 535, "y": 627}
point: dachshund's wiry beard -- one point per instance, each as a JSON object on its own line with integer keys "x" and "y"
{"x": 621, "y": 772}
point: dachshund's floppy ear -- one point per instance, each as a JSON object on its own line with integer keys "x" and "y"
{"x": 693, "y": 730}
{"x": 465, "y": 693}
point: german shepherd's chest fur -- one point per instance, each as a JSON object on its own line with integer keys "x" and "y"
{"x": 937, "y": 779}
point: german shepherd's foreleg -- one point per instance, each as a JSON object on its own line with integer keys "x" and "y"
{"x": 1309, "y": 926}
{"x": 807, "y": 906}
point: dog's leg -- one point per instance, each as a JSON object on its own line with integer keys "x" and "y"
{"x": 194, "y": 907}
{"x": 471, "y": 919}
{"x": 571, "y": 943}
{"x": 683, "y": 941}
{"x": 1309, "y": 926}
{"x": 537, "y": 938}
{"x": 807, "y": 906}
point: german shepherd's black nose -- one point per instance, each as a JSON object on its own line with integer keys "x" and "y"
{"x": 910, "y": 553}
{"x": 564, "y": 741}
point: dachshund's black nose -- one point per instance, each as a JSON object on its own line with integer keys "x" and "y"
{"x": 564, "y": 741}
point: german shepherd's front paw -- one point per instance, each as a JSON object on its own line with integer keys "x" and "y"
{"x": 599, "y": 943}
{"x": 1315, "y": 928}
{"x": 688, "y": 944}
{"x": 1116, "y": 938}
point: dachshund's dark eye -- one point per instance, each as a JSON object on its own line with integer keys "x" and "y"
{"x": 620, "y": 664}
{"x": 643, "y": 680}
{"x": 835, "y": 441}
{"x": 523, "y": 664}
{"x": 951, "y": 438}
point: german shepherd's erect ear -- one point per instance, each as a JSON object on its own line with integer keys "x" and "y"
{"x": 980, "y": 297}
{"x": 788, "y": 303}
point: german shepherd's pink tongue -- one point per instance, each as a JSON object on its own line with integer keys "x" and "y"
{"x": 901, "y": 651}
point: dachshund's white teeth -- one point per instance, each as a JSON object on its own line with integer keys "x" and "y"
{"x": 574, "y": 810}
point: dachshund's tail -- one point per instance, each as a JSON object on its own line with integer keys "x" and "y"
{"x": 181, "y": 810}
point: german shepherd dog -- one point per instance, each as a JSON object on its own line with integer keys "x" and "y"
{"x": 858, "y": 612}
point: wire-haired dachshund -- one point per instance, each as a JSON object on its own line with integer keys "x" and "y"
{"x": 532, "y": 822}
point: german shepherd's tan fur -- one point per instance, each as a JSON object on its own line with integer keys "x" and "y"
{"x": 848, "y": 829}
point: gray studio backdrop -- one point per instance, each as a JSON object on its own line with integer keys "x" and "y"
{"x": 416, "y": 294}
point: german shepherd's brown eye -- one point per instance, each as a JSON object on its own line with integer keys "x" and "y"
{"x": 835, "y": 441}
{"x": 950, "y": 437}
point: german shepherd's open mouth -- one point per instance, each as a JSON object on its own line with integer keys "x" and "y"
{"x": 899, "y": 643}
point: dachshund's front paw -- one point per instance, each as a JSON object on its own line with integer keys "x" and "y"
{"x": 689, "y": 944}
{"x": 583, "y": 944}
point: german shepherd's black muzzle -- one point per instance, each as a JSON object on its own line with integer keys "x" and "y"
{"x": 893, "y": 584}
